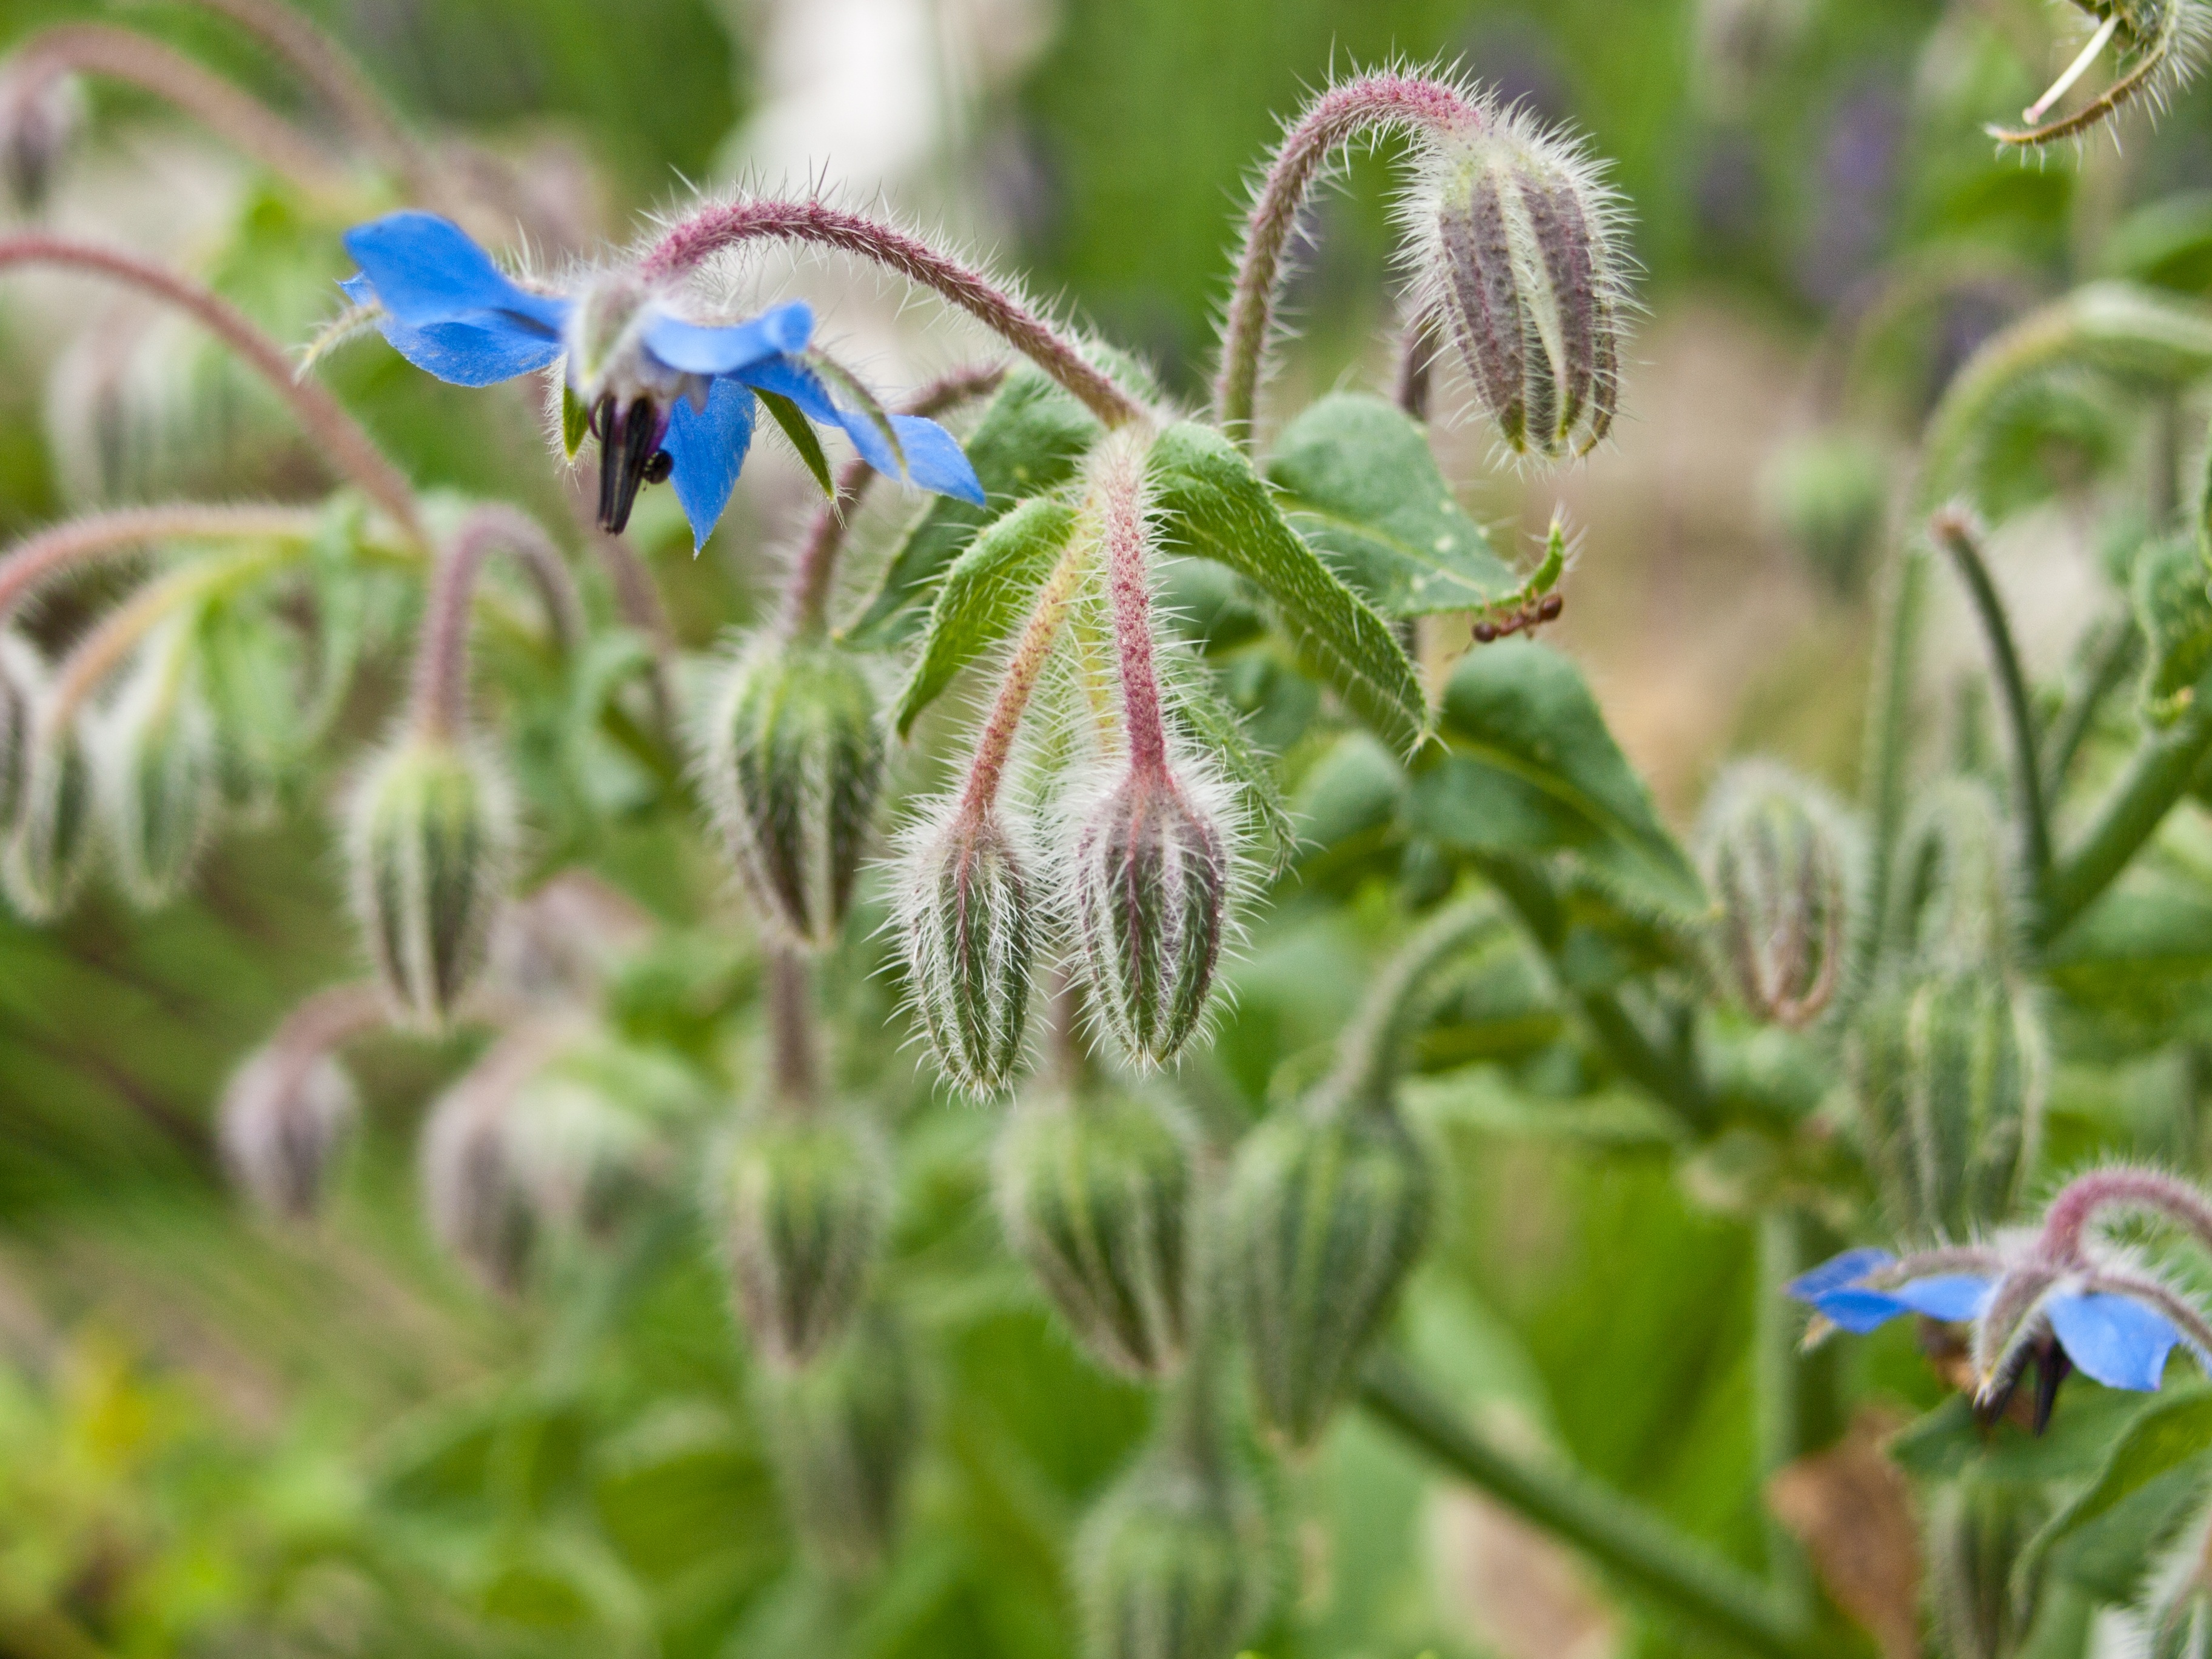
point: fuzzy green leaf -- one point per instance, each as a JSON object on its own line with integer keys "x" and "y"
{"x": 1533, "y": 771}
{"x": 1360, "y": 483}
{"x": 987, "y": 591}
{"x": 1028, "y": 443}
{"x": 1211, "y": 724}
{"x": 1212, "y": 504}
{"x": 803, "y": 437}
{"x": 2155, "y": 1471}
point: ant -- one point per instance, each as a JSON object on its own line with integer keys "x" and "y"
{"x": 1525, "y": 620}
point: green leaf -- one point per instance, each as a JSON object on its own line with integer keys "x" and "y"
{"x": 2174, "y": 609}
{"x": 575, "y": 421}
{"x": 987, "y": 591}
{"x": 2153, "y": 1471}
{"x": 1948, "y": 1442}
{"x": 1360, "y": 483}
{"x": 1482, "y": 1098}
{"x": 803, "y": 437}
{"x": 1028, "y": 443}
{"x": 1210, "y": 722}
{"x": 1212, "y": 504}
{"x": 1532, "y": 770}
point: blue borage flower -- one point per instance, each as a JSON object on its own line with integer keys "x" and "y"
{"x": 2102, "y": 1317}
{"x": 666, "y": 397}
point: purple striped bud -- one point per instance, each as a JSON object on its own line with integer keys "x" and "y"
{"x": 1782, "y": 858}
{"x": 1153, "y": 872}
{"x": 966, "y": 917}
{"x": 41, "y": 115}
{"x": 473, "y": 1190}
{"x": 804, "y": 1202}
{"x": 284, "y": 1116}
{"x": 431, "y": 835}
{"x": 1521, "y": 231}
{"x": 794, "y": 763}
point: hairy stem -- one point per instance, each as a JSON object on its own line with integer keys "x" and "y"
{"x": 100, "y": 536}
{"x": 344, "y": 444}
{"x": 1417, "y": 359}
{"x": 1640, "y": 1549}
{"x": 2087, "y": 1196}
{"x": 1954, "y": 528}
{"x": 1031, "y": 651}
{"x": 806, "y": 598}
{"x": 1385, "y": 101}
{"x": 1371, "y": 1052}
{"x": 439, "y": 703}
{"x": 325, "y": 1020}
{"x": 2157, "y": 777}
{"x": 101, "y": 651}
{"x": 711, "y": 230}
{"x": 791, "y": 1031}
{"x": 2111, "y": 654}
{"x": 1119, "y": 483}
{"x": 240, "y": 121}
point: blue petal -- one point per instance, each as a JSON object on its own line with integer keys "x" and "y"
{"x": 1956, "y": 1297}
{"x": 695, "y": 349}
{"x": 465, "y": 354}
{"x": 707, "y": 448}
{"x": 1859, "y": 1311}
{"x": 935, "y": 460}
{"x": 1837, "y": 1271}
{"x": 425, "y": 269}
{"x": 2114, "y": 1339}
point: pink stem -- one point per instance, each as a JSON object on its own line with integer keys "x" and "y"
{"x": 2084, "y": 1196}
{"x": 1031, "y": 652}
{"x": 1377, "y": 102}
{"x": 328, "y": 1019}
{"x": 713, "y": 229}
{"x": 439, "y": 704}
{"x": 124, "y": 55}
{"x": 790, "y": 1030}
{"x": 130, "y": 530}
{"x": 1119, "y": 483}
{"x": 344, "y": 443}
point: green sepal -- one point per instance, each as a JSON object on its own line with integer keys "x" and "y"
{"x": 575, "y": 421}
{"x": 803, "y": 437}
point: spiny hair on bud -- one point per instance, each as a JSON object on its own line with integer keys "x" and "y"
{"x": 966, "y": 910}
{"x": 154, "y": 765}
{"x": 284, "y": 1116}
{"x": 1514, "y": 238}
{"x": 791, "y": 755}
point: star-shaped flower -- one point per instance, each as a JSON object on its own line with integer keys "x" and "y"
{"x": 667, "y": 397}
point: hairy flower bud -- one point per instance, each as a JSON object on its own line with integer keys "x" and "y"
{"x": 1953, "y": 901}
{"x": 1173, "y": 1563}
{"x": 1329, "y": 1207}
{"x": 51, "y": 847}
{"x": 1094, "y": 1187}
{"x": 41, "y": 113}
{"x": 1519, "y": 231}
{"x": 1153, "y": 872}
{"x": 1976, "y": 1529}
{"x": 283, "y": 1115}
{"x": 1781, "y": 857}
{"x": 473, "y": 1193}
{"x": 155, "y": 764}
{"x": 1948, "y": 1067}
{"x": 431, "y": 834}
{"x": 804, "y": 1202}
{"x": 842, "y": 1431}
{"x": 794, "y": 763}
{"x": 966, "y": 917}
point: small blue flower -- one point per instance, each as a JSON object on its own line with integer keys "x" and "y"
{"x": 2103, "y": 1324}
{"x": 668, "y": 398}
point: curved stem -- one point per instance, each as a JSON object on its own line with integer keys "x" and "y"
{"x": 1118, "y": 484}
{"x": 2104, "y": 665}
{"x": 1370, "y": 1053}
{"x": 1018, "y": 683}
{"x": 345, "y": 445}
{"x": 1639, "y": 1548}
{"x": 711, "y": 230}
{"x": 791, "y": 1031}
{"x": 1372, "y": 103}
{"x": 1961, "y": 538}
{"x": 2086, "y": 1195}
{"x": 439, "y": 703}
{"x": 806, "y": 598}
{"x": 2157, "y": 777}
{"x": 326, "y": 1019}
{"x": 240, "y": 121}
{"x": 131, "y": 529}
{"x": 332, "y": 71}
{"x": 98, "y": 654}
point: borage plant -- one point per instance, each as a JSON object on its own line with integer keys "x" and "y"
{"x": 1013, "y": 791}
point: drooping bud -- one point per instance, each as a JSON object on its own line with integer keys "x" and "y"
{"x": 1152, "y": 867}
{"x": 842, "y": 1431}
{"x": 473, "y": 1192}
{"x": 283, "y": 1118}
{"x": 1174, "y": 1562}
{"x": 431, "y": 834}
{"x": 1520, "y": 252}
{"x": 588, "y": 1133}
{"x": 966, "y": 915}
{"x": 1328, "y": 1208}
{"x": 51, "y": 847}
{"x": 1954, "y": 897}
{"x": 1976, "y": 1529}
{"x": 1094, "y": 1187}
{"x": 252, "y": 674}
{"x": 803, "y": 1202}
{"x": 1781, "y": 857}
{"x": 1826, "y": 494}
{"x": 155, "y": 764}
{"x": 41, "y": 113}
{"x": 1948, "y": 1067}
{"x": 794, "y": 764}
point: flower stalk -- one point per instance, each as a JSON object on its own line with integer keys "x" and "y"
{"x": 438, "y": 705}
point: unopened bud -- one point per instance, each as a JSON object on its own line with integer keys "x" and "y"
{"x": 588, "y": 1132}
{"x": 1976, "y": 1529}
{"x": 803, "y": 1201}
{"x": 1153, "y": 872}
{"x": 473, "y": 1192}
{"x": 1826, "y": 494}
{"x": 966, "y": 915}
{"x": 1094, "y": 1189}
{"x": 155, "y": 758}
{"x": 251, "y": 673}
{"x": 1781, "y": 855}
{"x": 41, "y": 113}
{"x": 1522, "y": 255}
{"x": 1950, "y": 1068}
{"x": 843, "y": 1432}
{"x": 1954, "y": 898}
{"x": 51, "y": 847}
{"x": 431, "y": 834}
{"x": 795, "y": 764}
{"x": 284, "y": 1116}
{"x": 1173, "y": 1563}
{"x": 1329, "y": 1207}
{"x": 22, "y": 678}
